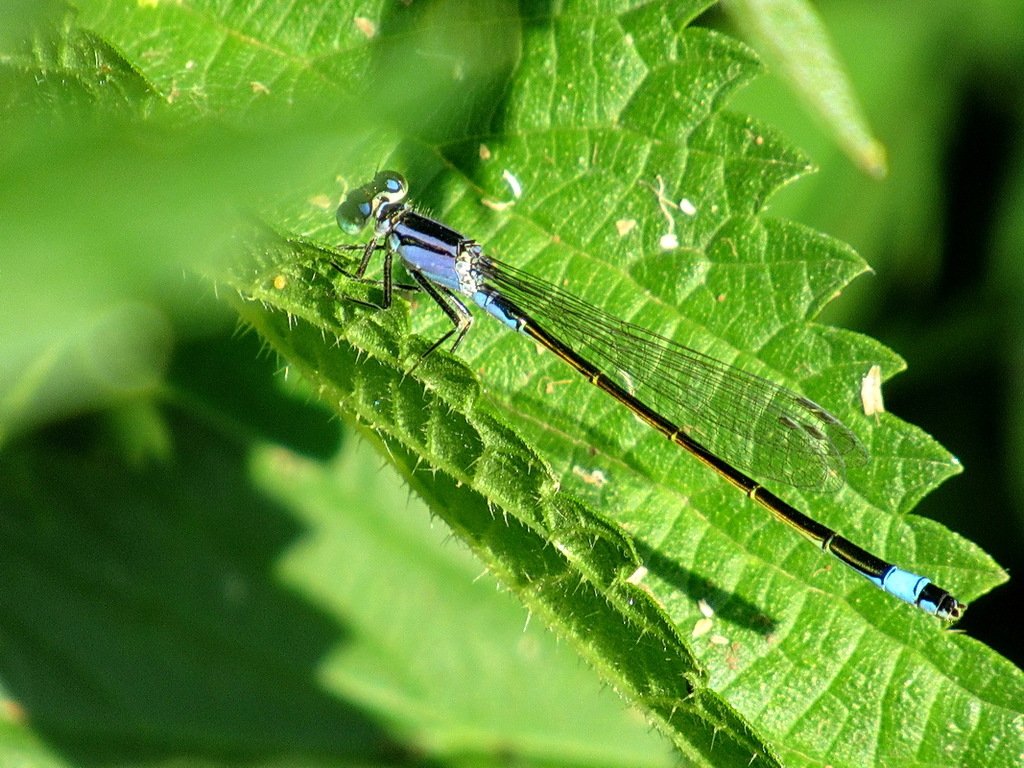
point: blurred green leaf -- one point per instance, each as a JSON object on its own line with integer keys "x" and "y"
{"x": 241, "y": 603}
{"x": 609, "y": 119}
{"x": 791, "y": 36}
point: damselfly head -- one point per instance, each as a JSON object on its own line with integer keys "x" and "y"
{"x": 362, "y": 203}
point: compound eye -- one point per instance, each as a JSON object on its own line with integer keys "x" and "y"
{"x": 355, "y": 211}
{"x": 391, "y": 185}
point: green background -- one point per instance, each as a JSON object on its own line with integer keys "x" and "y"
{"x": 178, "y": 583}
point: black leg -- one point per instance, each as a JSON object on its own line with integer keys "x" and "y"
{"x": 364, "y": 263}
{"x": 453, "y": 307}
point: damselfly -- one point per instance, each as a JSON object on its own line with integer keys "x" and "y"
{"x": 732, "y": 421}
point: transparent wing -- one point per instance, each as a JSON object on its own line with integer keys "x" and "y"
{"x": 759, "y": 427}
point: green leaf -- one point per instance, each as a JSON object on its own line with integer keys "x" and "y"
{"x": 566, "y": 562}
{"x": 607, "y": 116}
